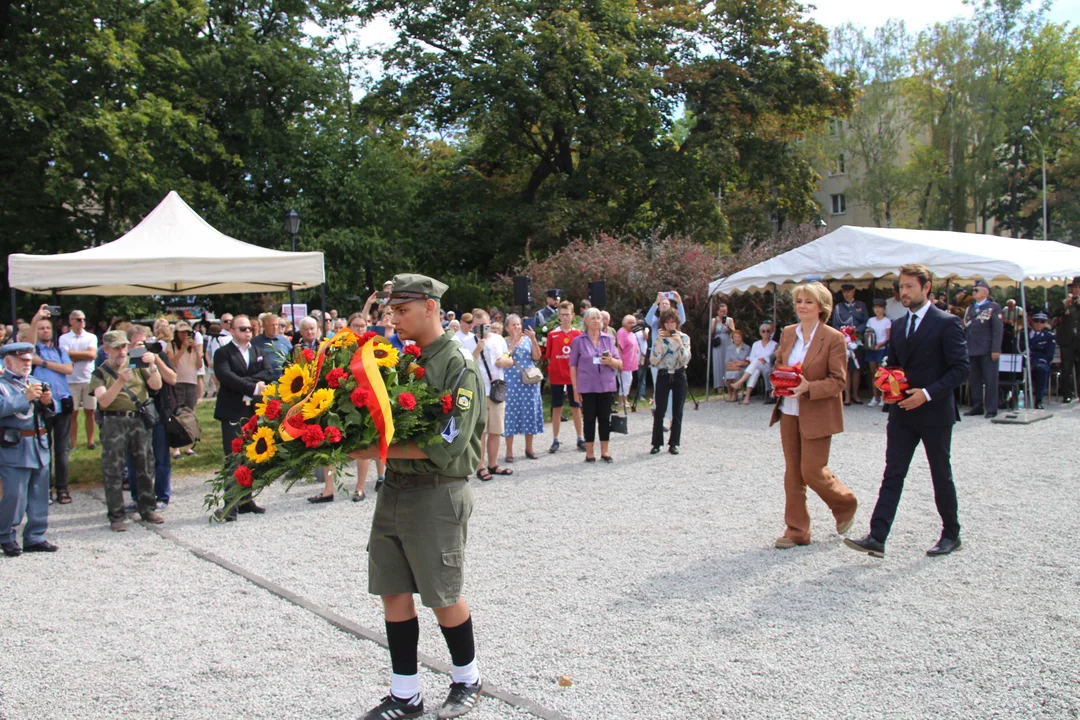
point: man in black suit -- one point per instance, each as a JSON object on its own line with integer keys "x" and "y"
{"x": 242, "y": 373}
{"x": 931, "y": 348}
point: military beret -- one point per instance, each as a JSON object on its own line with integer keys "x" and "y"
{"x": 17, "y": 348}
{"x": 1040, "y": 316}
{"x": 411, "y": 286}
{"x": 114, "y": 338}
{"x": 981, "y": 284}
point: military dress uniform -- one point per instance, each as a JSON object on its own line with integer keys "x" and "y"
{"x": 984, "y": 328}
{"x": 1068, "y": 337}
{"x": 421, "y": 523}
{"x": 1041, "y": 350}
{"x": 24, "y": 461}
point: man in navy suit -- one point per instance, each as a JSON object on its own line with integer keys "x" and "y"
{"x": 931, "y": 348}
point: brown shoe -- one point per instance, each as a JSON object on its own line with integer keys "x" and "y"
{"x": 842, "y": 528}
{"x": 118, "y": 525}
{"x": 153, "y": 517}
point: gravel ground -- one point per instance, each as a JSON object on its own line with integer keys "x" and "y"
{"x": 652, "y": 583}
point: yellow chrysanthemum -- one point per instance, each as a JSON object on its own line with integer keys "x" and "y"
{"x": 344, "y": 338}
{"x": 318, "y": 403}
{"x": 385, "y": 354}
{"x": 295, "y": 383}
{"x": 262, "y": 447}
{"x": 270, "y": 391}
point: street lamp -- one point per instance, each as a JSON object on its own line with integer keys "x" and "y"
{"x": 820, "y": 226}
{"x": 1028, "y": 131}
{"x": 292, "y": 226}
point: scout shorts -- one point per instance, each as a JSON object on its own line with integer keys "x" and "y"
{"x": 82, "y": 396}
{"x": 417, "y": 541}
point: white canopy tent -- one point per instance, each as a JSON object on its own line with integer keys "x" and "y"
{"x": 173, "y": 251}
{"x": 863, "y": 255}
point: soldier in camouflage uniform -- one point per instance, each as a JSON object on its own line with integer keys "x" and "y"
{"x": 421, "y": 519}
{"x": 118, "y": 387}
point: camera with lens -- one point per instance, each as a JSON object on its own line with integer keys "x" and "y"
{"x": 154, "y": 346}
{"x": 42, "y": 407}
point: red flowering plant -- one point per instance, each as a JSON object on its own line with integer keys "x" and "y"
{"x": 356, "y": 392}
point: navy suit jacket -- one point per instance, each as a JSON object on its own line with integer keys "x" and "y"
{"x": 936, "y": 359}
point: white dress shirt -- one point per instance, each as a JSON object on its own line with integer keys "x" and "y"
{"x": 790, "y": 406}
{"x": 919, "y": 314}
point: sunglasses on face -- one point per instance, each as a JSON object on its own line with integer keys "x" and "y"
{"x": 245, "y": 328}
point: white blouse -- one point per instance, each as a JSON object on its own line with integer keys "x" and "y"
{"x": 790, "y": 405}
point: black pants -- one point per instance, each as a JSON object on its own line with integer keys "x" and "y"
{"x": 230, "y": 429}
{"x": 984, "y": 377}
{"x": 1070, "y": 363}
{"x": 59, "y": 440}
{"x": 676, "y": 383}
{"x": 902, "y": 440}
{"x": 596, "y": 407}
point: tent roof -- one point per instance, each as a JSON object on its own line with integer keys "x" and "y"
{"x": 173, "y": 251}
{"x": 856, "y": 253}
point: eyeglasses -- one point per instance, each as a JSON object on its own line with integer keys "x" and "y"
{"x": 246, "y": 328}
{"x": 78, "y": 319}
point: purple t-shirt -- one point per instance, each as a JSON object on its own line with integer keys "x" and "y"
{"x": 592, "y": 377}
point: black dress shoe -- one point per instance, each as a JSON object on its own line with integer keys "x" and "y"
{"x": 11, "y": 549}
{"x": 655, "y": 450}
{"x": 945, "y": 546}
{"x": 991, "y": 415}
{"x": 1039, "y": 406}
{"x": 972, "y": 413}
{"x": 250, "y": 507}
{"x": 868, "y": 545}
{"x": 674, "y": 449}
{"x": 43, "y": 546}
{"x": 320, "y": 498}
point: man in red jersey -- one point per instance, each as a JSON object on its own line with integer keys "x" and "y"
{"x": 557, "y": 352}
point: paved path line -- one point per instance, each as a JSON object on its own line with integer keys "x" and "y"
{"x": 344, "y": 623}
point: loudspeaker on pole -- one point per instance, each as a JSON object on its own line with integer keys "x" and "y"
{"x": 598, "y": 293}
{"x": 522, "y": 291}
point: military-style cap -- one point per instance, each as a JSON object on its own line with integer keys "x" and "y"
{"x": 1040, "y": 316}
{"x": 1075, "y": 281}
{"x": 411, "y": 286}
{"x": 114, "y": 338}
{"x": 17, "y": 348}
{"x": 847, "y": 286}
{"x": 881, "y": 302}
{"x": 554, "y": 293}
{"x": 980, "y": 284}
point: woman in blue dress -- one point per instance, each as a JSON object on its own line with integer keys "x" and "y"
{"x": 524, "y": 408}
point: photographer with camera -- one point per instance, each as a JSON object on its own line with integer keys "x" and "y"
{"x": 26, "y": 405}
{"x": 52, "y": 366}
{"x": 595, "y": 363}
{"x": 165, "y": 403}
{"x": 668, "y": 300}
{"x": 122, "y": 387}
{"x": 492, "y": 355}
{"x": 186, "y": 357}
{"x": 670, "y": 356}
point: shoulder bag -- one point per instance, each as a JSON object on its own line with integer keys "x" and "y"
{"x": 146, "y": 410}
{"x": 532, "y": 375}
{"x": 498, "y": 387}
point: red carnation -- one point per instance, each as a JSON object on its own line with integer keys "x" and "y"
{"x": 335, "y": 376}
{"x": 419, "y": 373}
{"x": 366, "y": 337}
{"x": 237, "y": 444}
{"x": 273, "y": 410}
{"x": 413, "y": 350}
{"x": 360, "y": 397}
{"x": 249, "y": 427}
{"x": 447, "y": 403}
{"x": 333, "y": 435}
{"x": 295, "y": 421}
{"x": 308, "y": 354}
{"x": 313, "y": 436}
{"x": 407, "y": 401}
{"x": 243, "y": 476}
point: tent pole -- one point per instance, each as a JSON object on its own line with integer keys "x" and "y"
{"x": 708, "y": 355}
{"x": 14, "y": 313}
{"x": 292, "y": 306}
{"x": 322, "y": 296}
{"x": 774, "y": 307}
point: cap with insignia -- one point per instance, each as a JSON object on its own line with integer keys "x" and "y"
{"x": 981, "y": 284}
{"x": 411, "y": 286}
{"x": 1040, "y": 316}
{"x": 114, "y": 338}
{"x": 17, "y": 348}
{"x": 554, "y": 293}
{"x": 881, "y": 302}
{"x": 847, "y": 286}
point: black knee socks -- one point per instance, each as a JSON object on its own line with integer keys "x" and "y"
{"x": 460, "y": 642}
{"x": 402, "y": 637}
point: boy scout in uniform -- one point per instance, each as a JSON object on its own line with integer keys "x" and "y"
{"x": 24, "y": 452}
{"x": 421, "y": 519}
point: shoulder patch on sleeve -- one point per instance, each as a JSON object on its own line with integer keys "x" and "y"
{"x": 464, "y": 399}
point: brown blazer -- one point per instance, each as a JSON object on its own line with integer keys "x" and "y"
{"x": 821, "y": 410}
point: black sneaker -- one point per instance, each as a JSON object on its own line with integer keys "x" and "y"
{"x": 581, "y": 444}
{"x": 462, "y": 699}
{"x": 555, "y": 445}
{"x": 378, "y": 486}
{"x": 393, "y": 709}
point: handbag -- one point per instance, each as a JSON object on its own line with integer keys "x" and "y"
{"x": 531, "y": 376}
{"x": 717, "y": 341}
{"x": 498, "y": 387}
{"x": 619, "y": 422}
{"x": 182, "y": 428}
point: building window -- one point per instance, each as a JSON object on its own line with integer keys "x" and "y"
{"x": 839, "y": 204}
{"x": 836, "y": 127}
{"x": 839, "y": 166}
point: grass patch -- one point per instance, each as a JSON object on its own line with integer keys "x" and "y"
{"x": 84, "y": 465}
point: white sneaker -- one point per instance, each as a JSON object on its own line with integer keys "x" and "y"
{"x": 873, "y": 403}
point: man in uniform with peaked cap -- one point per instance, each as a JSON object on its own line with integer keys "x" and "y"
{"x": 421, "y": 519}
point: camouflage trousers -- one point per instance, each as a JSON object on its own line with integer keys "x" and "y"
{"x": 120, "y": 436}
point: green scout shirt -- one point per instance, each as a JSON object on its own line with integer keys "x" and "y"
{"x": 457, "y": 452}
{"x": 122, "y": 403}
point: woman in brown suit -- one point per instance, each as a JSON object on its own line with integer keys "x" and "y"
{"x": 812, "y": 415}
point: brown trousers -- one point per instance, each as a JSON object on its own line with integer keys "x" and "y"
{"x": 805, "y": 466}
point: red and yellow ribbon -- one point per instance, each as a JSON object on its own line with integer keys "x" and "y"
{"x": 891, "y": 381}
{"x": 365, "y": 370}
{"x": 286, "y": 431}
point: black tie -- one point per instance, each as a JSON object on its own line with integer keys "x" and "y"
{"x": 911, "y": 327}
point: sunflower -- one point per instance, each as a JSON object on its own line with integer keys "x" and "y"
{"x": 294, "y": 383}
{"x": 385, "y": 354}
{"x": 318, "y": 403}
{"x": 270, "y": 391}
{"x": 260, "y": 408}
{"x": 262, "y": 446}
{"x": 344, "y": 338}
